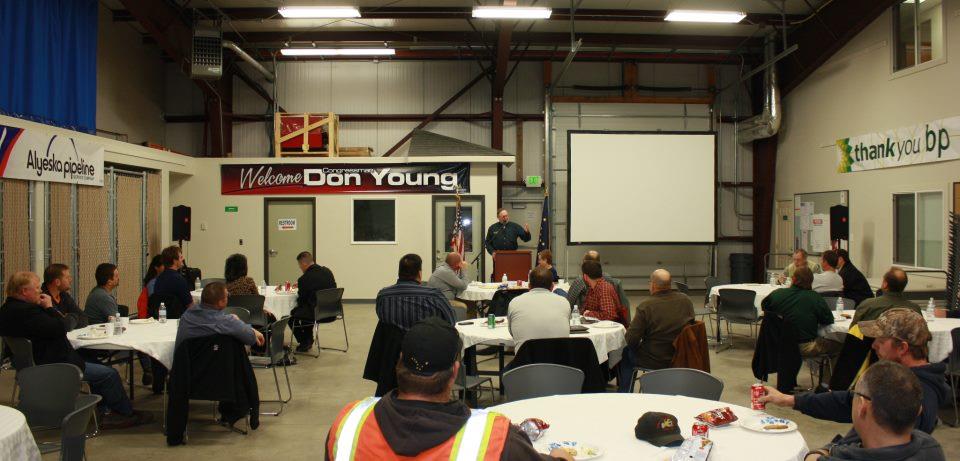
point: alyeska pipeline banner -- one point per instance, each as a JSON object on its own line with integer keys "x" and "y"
{"x": 39, "y": 155}
{"x": 287, "y": 179}
{"x": 927, "y": 142}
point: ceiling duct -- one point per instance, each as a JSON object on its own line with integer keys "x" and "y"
{"x": 249, "y": 59}
{"x": 767, "y": 123}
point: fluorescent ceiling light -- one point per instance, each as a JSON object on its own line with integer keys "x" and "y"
{"x": 731, "y": 17}
{"x": 319, "y": 12}
{"x": 511, "y": 12}
{"x": 338, "y": 51}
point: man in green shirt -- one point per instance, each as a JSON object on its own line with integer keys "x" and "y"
{"x": 503, "y": 234}
{"x": 806, "y": 311}
{"x": 894, "y": 282}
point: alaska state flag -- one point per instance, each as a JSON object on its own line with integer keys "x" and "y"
{"x": 544, "y": 242}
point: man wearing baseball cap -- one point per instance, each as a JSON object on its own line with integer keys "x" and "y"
{"x": 901, "y": 336}
{"x": 419, "y": 420}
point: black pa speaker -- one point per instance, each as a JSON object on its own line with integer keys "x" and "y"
{"x": 839, "y": 222}
{"x": 181, "y": 223}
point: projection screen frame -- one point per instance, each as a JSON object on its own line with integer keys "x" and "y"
{"x": 716, "y": 185}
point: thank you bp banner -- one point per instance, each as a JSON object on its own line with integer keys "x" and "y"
{"x": 287, "y": 178}
{"x": 41, "y": 155}
{"x": 923, "y": 143}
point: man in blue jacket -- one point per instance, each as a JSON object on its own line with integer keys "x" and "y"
{"x": 901, "y": 336}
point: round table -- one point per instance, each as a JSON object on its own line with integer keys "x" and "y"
{"x": 605, "y": 340}
{"x": 281, "y": 303}
{"x": 16, "y": 440}
{"x": 154, "y": 339}
{"x": 940, "y": 345}
{"x": 477, "y": 291}
{"x": 575, "y": 417}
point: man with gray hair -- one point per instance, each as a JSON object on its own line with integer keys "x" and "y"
{"x": 657, "y": 322}
{"x": 578, "y": 288}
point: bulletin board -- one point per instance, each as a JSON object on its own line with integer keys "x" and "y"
{"x": 811, "y": 218}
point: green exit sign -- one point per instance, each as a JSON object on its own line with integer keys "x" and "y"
{"x": 534, "y": 181}
{"x": 231, "y": 209}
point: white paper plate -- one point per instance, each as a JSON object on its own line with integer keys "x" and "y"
{"x": 581, "y": 451}
{"x": 143, "y": 321}
{"x": 761, "y": 422}
{"x": 95, "y": 334}
{"x": 604, "y": 324}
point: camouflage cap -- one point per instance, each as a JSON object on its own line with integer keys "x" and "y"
{"x": 900, "y": 323}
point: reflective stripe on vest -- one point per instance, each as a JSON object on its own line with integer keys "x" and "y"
{"x": 349, "y": 430}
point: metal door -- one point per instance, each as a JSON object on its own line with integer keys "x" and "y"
{"x": 471, "y": 212}
{"x": 288, "y": 230}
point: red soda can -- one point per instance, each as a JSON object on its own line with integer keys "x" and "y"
{"x": 700, "y": 428}
{"x": 287, "y": 286}
{"x": 757, "y": 391}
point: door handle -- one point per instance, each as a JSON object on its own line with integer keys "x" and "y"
{"x": 272, "y": 253}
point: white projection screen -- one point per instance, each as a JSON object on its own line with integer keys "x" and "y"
{"x": 641, "y": 187}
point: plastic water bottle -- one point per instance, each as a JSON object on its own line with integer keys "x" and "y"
{"x": 929, "y": 313}
{"x": 575, "y": 315}
{"x": 117, "y": 326}
{"x": 196, "y": 285}
{"x": 163, "y": 313}
{"x": 263, "y": 287}
{"x": 504, "y": 279}
{"x": 839, "y": 313}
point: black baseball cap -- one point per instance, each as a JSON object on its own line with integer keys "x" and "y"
{"x": 658, "y": 429}
{"x": 430, "y": 346}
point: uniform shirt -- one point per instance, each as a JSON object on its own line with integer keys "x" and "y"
{"x": 791, "y": 268}
{"x": 827, "y": 282}
{"x": 408, "y": 302}
{"x": 603, "y": 302}
{"x": 537, "y": 314}
{"x": 203, "y": 320}
{"x": 872, "y": 308}
{"x": 504, "y": 236}
{"x": 100, "y": 305}
{"x": 656, "y": 323}
{"x": 448, "y": 281}
{"x": 804, "y": 309}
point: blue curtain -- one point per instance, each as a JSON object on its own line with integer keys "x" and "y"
{"x": 48, "y": 61}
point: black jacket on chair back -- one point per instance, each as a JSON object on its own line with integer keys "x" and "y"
{"x": 578, "y": 353}
{"x": 383, "y": 356}
{"x": 777, "y": 352}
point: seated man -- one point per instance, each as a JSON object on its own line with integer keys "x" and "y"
{"x": 418, "y": 420}
{"x": 806, "y": 311}
{"x": 655, "y": 325}
{"x": 602, "y": 301}
{"x": 901, "y": 337}
{"x": 855, "y": 285}
{"x": 29, "y": 314}
{"x": 799, "y": 260}
{"x": 56, "y": 284}
{"x": 407, "y": 302}
{"x": 578, "y": 288}
{"x": 828, "y": 281}
{"x": 208, "y": 319}
{"x": 170, "y": 281}
{"x": 101, "y": 305}
{"x": 894, "y": 282}
{"x": 883, "y": 409}
{"x": 538, "y": 313}
{"x": 315, "y": 277}
{"x": 449, "y": 279}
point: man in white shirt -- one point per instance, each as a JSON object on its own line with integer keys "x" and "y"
{"x": 828, "y": 281}
{"x": 539, "y": 313}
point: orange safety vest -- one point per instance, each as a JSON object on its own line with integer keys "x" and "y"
{"x": 356, "y": 436}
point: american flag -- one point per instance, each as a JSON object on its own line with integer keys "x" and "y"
{"x": 456, "y": 235}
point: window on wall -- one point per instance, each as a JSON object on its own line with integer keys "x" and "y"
{"x": 917, "y": 32}
{"x": 375, "y": 221}
{"x": 918, "y": 229}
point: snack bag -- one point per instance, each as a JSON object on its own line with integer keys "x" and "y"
{"x": 694, "y": 449}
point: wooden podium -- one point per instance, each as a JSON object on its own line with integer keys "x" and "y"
{"x": 515, "y": 263}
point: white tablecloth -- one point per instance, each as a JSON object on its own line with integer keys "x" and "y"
{"x": 484, "y": 291}
{"x": 280, "y": 303}
{"x": 607, "y": 420}
{"x": 761, "y": 289}
{"x": 154, "y": 339}
{"x": 605, "y": 340}
{"x": 16, "y": 440}
{"x": 940, "y": 344}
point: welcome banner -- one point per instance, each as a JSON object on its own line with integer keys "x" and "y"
{"x": 285, "y": 178}
{"x": 40, "y": 155}
{"x": 924, "y": 143}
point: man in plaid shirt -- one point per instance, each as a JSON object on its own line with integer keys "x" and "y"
{"x": 602, "y": 301}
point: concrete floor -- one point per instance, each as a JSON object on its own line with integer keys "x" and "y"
{"x": 323, "y": 385}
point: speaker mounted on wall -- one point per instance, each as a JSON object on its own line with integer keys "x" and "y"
{"x": 839, "y": 222}
{"x": 181, "y": 223}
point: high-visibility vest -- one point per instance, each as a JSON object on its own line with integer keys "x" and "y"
{"x": 355, "y": 435}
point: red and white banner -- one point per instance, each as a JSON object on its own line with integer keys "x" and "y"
{"x": 40, "y": 155}
{"x": 310, "y": 179}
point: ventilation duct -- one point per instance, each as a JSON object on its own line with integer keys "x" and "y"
{"x": 767, "y": 123}
{"x": 249, "y": 59}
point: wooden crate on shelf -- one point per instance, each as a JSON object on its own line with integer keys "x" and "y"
{"x": 355, "y": 152}
{"x": 305, "y": 135}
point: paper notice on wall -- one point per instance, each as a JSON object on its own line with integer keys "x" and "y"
{"x": 820, "y": 232}
{"x": 287, "y": 224}
{"x": 806, "y": 212}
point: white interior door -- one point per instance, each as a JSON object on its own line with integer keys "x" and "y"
{"x": 444, "y": 213}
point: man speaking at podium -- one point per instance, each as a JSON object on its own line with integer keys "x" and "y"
{"x": 503, "y": 234}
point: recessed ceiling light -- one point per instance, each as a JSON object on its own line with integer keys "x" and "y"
{"x": 731, "y": 17}
{"x": 319, "y": 12}
{"x": 511, "y": 12}
{"x": 338, "y": 51}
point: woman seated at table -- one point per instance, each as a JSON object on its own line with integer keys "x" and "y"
{"x": 153, "y": 270}
{"x": 238, "y": 283}
{"x": 545, "y": 260}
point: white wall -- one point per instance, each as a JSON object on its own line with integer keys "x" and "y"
{"x": 852, "y": 94}
{"x": 361, "y": 269}
{"x": 130, "y": 79}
